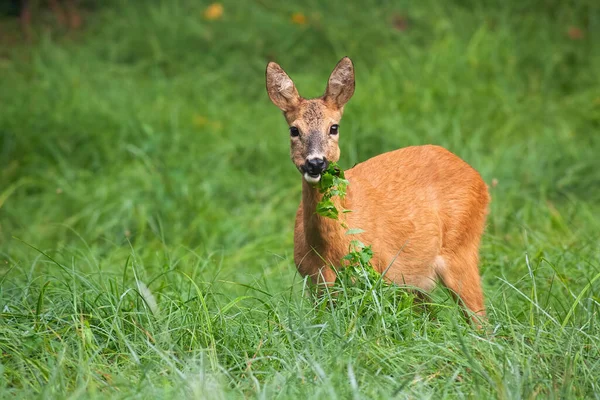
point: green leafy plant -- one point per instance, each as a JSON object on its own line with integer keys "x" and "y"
{"x": 333, "y": 183}
{"x": 358, "y": 260}
{"x": 359, "y": 257}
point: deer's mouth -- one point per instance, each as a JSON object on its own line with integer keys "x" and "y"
{"x": 312, "y": 178}
{"x": 313, "y": 168}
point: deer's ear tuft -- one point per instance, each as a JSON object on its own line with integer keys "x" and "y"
{"x": 281, "y": 88}
{"x": 340, "y": 87}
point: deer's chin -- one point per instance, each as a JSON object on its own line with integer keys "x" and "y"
{"x": 311, "y": 179}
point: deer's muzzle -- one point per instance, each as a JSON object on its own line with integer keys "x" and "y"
{"x": 315, "y": 166}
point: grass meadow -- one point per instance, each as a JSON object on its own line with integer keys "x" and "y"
{"x": 147, "y": 200}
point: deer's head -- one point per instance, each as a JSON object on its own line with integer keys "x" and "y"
{"x": 314, "y": 123}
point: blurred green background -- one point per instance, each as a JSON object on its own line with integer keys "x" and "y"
{"x": 142, "y": 146}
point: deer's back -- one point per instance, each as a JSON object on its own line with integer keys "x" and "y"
{"x": 423, "y": 184}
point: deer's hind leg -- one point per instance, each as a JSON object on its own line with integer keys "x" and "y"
{"x": 459, "y": 272}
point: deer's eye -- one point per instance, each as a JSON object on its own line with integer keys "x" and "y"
{"x": 294, "y": 132}
{"x": 334, "y": 129}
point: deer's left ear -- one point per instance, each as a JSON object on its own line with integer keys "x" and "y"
{"x": 340, "y": 87}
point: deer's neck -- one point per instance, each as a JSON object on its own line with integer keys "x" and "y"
{"x": 322, "y": 233}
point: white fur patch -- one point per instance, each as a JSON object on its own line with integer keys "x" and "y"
{"x": 439, "y": 265}
{"x": 311, "y": 179}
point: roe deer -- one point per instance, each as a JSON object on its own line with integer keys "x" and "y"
{"x": 422, "y": 208}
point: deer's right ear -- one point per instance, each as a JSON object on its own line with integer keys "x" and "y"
{"x": 281, "y": 88}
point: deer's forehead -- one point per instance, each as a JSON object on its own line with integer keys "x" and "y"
{"x": 314, "y": 113}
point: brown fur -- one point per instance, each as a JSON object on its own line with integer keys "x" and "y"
{"x": 422, "y": 208}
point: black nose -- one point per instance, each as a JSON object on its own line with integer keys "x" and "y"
{"x": 314, "y": 166}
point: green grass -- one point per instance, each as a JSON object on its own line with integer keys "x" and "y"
{"x": 147, "y": 201}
